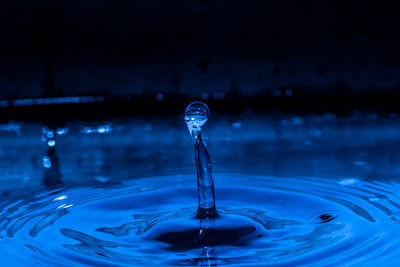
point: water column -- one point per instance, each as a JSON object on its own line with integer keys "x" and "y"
{"x": 196, "y": 115}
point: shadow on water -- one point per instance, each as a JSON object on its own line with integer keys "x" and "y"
{"x": 207, "y": 237}
{"x": 198, "y": 238}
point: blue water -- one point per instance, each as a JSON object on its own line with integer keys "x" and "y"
{"x": 124, "y": 193}
{"x": 264, "y": 221}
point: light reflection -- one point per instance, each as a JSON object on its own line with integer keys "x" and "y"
{"x": 52, "y": 175}
{"x": 348, "y": 181}
{"x": 65, "y": 206}
{"x": 62, "y": 131}
{"x": 61, "y": 198}
{"x": 46, "y": 162}
{"x": 51, "y": 143}
{"x": 11, "y": 127}
{"x": 101, "y": 129}
{"x": 208, "y": 257}
{"x": 50, "y": 101}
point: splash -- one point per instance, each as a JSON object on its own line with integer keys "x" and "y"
{"x": 196, "y": 115}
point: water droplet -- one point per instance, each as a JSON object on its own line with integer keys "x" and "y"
{"x": 196, "y": 115}
{"x": 51, "y": 143}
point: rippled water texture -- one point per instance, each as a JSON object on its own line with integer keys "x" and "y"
{"x": 264, "y": 221}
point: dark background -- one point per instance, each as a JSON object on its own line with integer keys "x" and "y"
{"x": 294, "y": 88}
{"x": 154, "y": 56}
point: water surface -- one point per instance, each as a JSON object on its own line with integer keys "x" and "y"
{"x": 264, "y": 221}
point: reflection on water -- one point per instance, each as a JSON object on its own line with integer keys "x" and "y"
{"x": 337, "y": 148}
{"x": 52, "y": 175}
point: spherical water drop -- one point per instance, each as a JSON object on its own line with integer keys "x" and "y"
{"x": 51, "y": 143}
{"x": 196, "y": 115}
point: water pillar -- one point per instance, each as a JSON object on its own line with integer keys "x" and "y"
{"x": 196, "y": 115}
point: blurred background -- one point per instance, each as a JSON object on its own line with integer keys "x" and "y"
{"x": 299, "y": 88}
{"x": 284, "y": 55}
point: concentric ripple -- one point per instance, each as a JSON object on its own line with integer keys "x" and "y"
{"x": 264, "y": 221}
